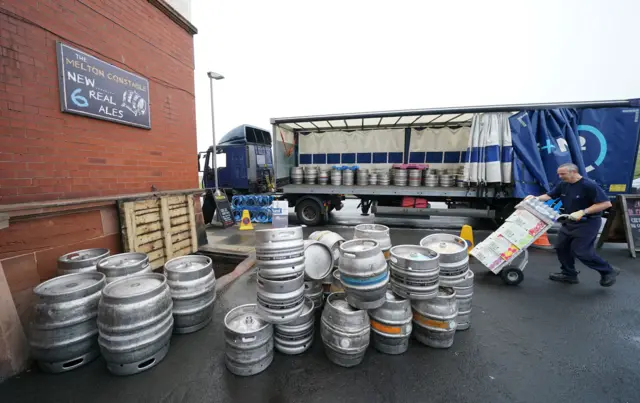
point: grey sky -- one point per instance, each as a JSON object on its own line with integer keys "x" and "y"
{"x": 289, "y": 58}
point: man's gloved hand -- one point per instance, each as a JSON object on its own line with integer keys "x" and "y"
{"x": 529, "y": 197}
{"x": 576, "y": 215}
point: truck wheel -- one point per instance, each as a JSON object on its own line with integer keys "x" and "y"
{"x": 309, "y": 213}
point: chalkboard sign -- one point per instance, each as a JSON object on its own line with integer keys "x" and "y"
{"x": 91, "y": 87}
{"x": 223, "y": 209}
{"x": 623, "y": 224}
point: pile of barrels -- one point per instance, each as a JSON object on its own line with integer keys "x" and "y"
{"x": 398, "y": 176}
{"x": 369, "y": 292}
{"x": 115, "y": 306}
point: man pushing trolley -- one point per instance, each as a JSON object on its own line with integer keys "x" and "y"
{"x": 584, "y": 201}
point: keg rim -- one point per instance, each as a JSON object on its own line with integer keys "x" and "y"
{"x": 374, "y": 244}
{"x": 377, "y": 229}
{"x": 143, "y": 261}
{"x": 275, "y": 230}
{"x": 104, "y": 252}
{"x": 408, "y": 246}
{"x": 448, "y": 238}
{"x": 106, "y": 291}
{"x": 253, "y": 308}
{"x": 41, "y": 290}
{"x": 343, "y": 296}
{"x": 208, "y": 262}
{"x": 326, "y": 248}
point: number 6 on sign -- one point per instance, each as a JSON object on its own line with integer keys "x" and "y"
{"x": 78, "y": 99}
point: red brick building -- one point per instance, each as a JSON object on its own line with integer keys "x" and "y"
{"x": 61, "y": 173}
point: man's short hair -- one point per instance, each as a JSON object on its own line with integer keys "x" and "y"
{"x": 570, "y": 166}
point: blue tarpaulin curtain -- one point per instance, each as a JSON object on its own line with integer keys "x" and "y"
{"x": 542, "y": 141}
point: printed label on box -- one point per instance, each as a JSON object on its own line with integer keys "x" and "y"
{"x": 280, "y": 207}
{"x": 530, "y": 223}
{"x": 501, "y": 246}
{"x": 515, "y": 234}
{"x": 486, "y": 256}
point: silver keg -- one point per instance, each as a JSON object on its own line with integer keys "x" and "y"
{"x": 310, "y": 175}
{"x": 332, "y": 239}
{"x": 415, "y": 177}
{"x": 447, "y": 180}
{"x": 193, "y": 289}
{"x": 313, "y": 290}
{"x": 414, "y": 272}
{"x": 460, "y": 181}
{"x": 280, "y": 252}
{"x": 378, "y": 232}
{"x": 323, "y": 176}
{"x": 454, "y": 257}
{"x": 434, "y": 322}
{"x": 318, "y": 260}
{"x": 362, "y": 176}
{"x": 347, "y": 177}
{"x": 391, "y": 325}
{"x": 296, "y": 336}
{"x": 280, "y": 301}
{"x": 135, "y": 323}
{"x": 400, "y": 177}
{"x": 464, "y": 295}
{"x": 364, "y": 273}
{"x": 297, "y": 175}
{"x": 345, "y": 331}
{"x": 383, "y": 178}
{"x": 63, "y": 334}
{"x": 373, "y": 179}
{"x": 336, "y": 284}
{"x": 81, "y": 261}
{"x": 248, "y": 341}
{"x": 123, "y": 265}
{"x": 431, "y": 180}
{"x": 336, "y": 177}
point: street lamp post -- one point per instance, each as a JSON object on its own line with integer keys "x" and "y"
{"x": 214, "y": 76}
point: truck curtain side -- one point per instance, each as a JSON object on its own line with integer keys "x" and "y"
{"x": 440, "y": 138}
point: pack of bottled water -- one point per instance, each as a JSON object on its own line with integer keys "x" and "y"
{"x": 542, "y": 210}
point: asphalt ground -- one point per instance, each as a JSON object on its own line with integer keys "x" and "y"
{"x": 537, "y": 342}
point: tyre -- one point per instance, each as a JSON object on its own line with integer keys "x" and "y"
{"x": 512, "y": 275}
{"x": 309, "y": 213}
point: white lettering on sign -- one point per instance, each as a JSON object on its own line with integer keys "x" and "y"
{"x": 117, "y": 113}
{"x": 100, "y": 96}
{"x": 80, "y": 79}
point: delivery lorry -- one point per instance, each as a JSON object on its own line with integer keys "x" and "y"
{"x": 499, "y": 154}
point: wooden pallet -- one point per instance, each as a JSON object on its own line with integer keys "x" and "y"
{"x": 162, "y": 227}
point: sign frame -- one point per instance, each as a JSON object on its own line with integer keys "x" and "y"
{"x": 618, "y": 229}
{"x": 62, "y": 89}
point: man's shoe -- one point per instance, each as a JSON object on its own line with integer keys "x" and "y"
{"x": 564, "y": 278}
{"x": 609, "y": 279}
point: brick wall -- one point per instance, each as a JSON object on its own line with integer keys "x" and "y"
{"x": 46, "y": 154}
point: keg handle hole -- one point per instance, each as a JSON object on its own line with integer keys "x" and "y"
{"x": 248, "y": 339}
{"x": 349, "y": 255}
{"x": 146, "y": 363}
{"x": 73, "y": 363}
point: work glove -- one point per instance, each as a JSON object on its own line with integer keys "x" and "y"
{"x": 576, "y": 215}
{"x": 529, "y": 197}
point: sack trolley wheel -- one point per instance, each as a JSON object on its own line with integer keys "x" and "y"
{"x": 513, "y": 274}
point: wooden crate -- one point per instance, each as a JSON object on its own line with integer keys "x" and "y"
{"x": 162, "y": 227}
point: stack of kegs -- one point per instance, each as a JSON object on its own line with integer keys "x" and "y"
{"x": 383, "y": 178}
{"x": 280, "y": 279}
{"x": 336, "y": 176}
{"x": 297, "y": 175}
{"x": 415, "y": 177}
{"x": 118, "y": 308}
{"x": 400, "y": 176}
{"x": 310, "y": 175}
{"x": 323, "y": 176}
{"x": 454, "y": 270}
{"x": 362, "y": 177}
{"x": 447, "y": 180}
{"x": 347, "y": 177}
{"x": 373, "y": 179}
{"x": 431, "y": 179}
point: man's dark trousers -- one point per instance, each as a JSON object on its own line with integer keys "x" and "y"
{"x": 577, "y": 240}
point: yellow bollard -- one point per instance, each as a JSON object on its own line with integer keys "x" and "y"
{"x": 467, "y": 234}
{"x": 245, "y": 222}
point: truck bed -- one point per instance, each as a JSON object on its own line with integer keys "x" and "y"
{"x": 388, "y": 190}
